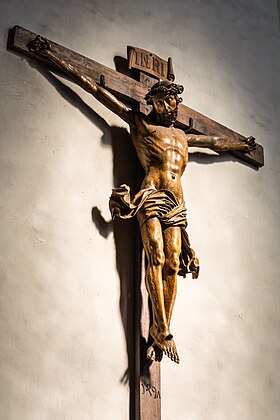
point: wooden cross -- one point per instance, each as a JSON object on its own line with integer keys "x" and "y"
{"x": 147, "y": 374}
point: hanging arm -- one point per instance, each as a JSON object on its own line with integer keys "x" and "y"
{"x": 221, "y": 144}
{"x": 42, "y": 47}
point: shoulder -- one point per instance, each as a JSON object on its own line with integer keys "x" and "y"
{"x": 140, "y": 117}
{"x": 182, "y": 132}
{"x": 182, "y": 135}
{"x": 142, "y": 121}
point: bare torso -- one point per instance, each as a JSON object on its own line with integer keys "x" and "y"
{"x": 163, "y": 153}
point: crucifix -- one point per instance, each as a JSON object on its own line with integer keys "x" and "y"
{"x": 161, "y": 130}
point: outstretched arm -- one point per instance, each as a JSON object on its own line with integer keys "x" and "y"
{"x": 221, "y": 144}
{"x": 43, "y": 48}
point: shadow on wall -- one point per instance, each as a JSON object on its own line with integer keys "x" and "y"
{"x": 125, "y": 170}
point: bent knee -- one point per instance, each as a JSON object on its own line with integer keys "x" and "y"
{"x": 172, "y": 263}
{"x": 157, "y": 257}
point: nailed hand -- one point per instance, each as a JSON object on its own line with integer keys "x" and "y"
{"x": 40, "y": 46}
{"x": 251, "y": 143}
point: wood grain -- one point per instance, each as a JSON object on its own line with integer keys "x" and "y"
{"x": 130, "y": 90}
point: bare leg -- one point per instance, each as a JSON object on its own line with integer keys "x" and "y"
{"x": 172, "y": 250}
{"x": 154, "y": 352}
{"x": 152, "y": 238}
{"x": 153, "y": 244}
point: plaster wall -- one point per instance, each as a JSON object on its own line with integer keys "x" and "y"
{"x": 63, "y": 348}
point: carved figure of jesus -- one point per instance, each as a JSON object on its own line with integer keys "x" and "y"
{"x": 163, "y": 152}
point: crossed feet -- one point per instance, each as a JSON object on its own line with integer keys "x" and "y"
{"x": 162, "y": 344}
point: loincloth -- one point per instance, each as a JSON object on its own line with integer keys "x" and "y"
{"x": 162, "y": 204}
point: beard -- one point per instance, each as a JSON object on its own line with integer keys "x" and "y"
{"x": 168, "y": 118}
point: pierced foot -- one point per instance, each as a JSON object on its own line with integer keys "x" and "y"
{"x": 154, "y": 353}
{"x": 166, "y": 344}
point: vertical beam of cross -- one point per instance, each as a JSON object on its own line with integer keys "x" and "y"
{"x": 147, "y": 373}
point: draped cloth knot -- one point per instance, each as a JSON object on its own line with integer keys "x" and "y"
{"x": 148, "y": 203}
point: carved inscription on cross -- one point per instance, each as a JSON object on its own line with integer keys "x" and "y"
{"x": 162, "y": 148}
{"x": 145, "y": 61}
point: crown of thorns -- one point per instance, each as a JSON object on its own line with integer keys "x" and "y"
{"x": 164, "y": 88}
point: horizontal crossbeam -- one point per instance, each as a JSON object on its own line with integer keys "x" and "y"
{"x": 130, "y": 90}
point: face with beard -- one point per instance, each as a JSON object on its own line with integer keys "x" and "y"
{"x": 165, "y": 108}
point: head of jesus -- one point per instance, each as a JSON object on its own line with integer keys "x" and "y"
{"x": 164, "y": 99}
